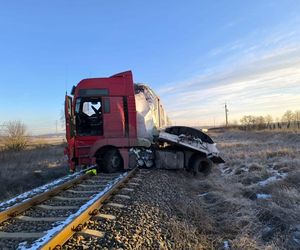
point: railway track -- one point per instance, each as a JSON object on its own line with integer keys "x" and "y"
{"x": 61, "y": 217}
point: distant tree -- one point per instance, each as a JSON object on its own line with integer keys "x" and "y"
{"x": 297, "y": 115}
{"x": 260, "y": 122}
{"x": 297, "y": 118}
{"x": 247, "y": 120}
{"x": 257, "y": 122}
{"x": 15, "y": 136}
{"x": 268, "y": 119}
{"x": 288, "y": 116}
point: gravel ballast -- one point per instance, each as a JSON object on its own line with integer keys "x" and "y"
{"x": 144, "y": 222}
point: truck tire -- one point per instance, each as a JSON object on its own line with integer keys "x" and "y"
{"x": 201, "y": 165}
{"x": 112, "y": 161}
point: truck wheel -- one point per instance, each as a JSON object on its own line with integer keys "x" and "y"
{"x": 201, "y": 165}
{"x": 112, "y": 161}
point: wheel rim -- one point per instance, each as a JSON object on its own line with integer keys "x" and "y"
{"x": 115, "y": 161}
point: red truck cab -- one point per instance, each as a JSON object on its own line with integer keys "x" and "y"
{"x": 101, "y": 122}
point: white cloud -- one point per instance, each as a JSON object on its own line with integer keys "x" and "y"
{"x": 265, "y": 83}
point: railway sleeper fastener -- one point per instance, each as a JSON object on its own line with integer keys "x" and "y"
{"x": 79, "y": 227}
{"x": 94, "y": 212}
{"x": 13, "y": 214}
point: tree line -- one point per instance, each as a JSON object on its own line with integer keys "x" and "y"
{"x": 288, "y": 120}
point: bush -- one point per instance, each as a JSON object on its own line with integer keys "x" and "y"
{"x": 15, "y": 136}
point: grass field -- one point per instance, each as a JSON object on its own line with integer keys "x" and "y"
{"x": 42, "y": 161}
{"x": 254, "y": 198}
{"x": 250, "y": 202}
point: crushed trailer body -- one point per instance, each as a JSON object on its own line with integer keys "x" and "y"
{"x": 193, "y": 139}
{"x": 209, "y": 149}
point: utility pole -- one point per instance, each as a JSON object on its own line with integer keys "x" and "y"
{"x": 226, "y": 114}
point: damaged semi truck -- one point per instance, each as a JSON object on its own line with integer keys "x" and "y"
{"x": 119, "y": 125}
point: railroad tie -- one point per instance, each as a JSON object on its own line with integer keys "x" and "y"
{"x": 136, "y": 179}
{"x": 48, "y": 207}
{"x": 91, "y": 185}
{"x": 28, "y": 218}
{"x": 96, "y": 182}
{"x": 122, "y": 196}
{"x": 71, "y": 198}
{"x": 112, "y": 204}
{"x": 133, "y": 184}
{"x": 127, "y": 189}
{"x": 111, "y": 175}
{"x": 105, "y": 216}
{"x": 82, "y": 192}
{"x": 21, "y": 235}
{"x": 90, "y": 232}
{"x": 102, "y": 179}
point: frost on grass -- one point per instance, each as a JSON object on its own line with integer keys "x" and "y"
{"x": 24, "y": 170}
{"x": 263, "y": 196}
{"x": 261, "y": 177}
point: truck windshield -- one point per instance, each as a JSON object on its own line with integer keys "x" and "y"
{"x": 88, "y": 115}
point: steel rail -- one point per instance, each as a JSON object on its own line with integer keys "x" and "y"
{"x": 76, "y": 225}
{"x": 35, "y": 200}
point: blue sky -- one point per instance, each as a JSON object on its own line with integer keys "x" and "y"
{"x": 196, "y": 54}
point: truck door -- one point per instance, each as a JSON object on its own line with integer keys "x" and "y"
{"x": 69, "y": 118}
{"x": 114, "y": 117}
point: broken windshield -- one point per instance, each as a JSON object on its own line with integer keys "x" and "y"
{"x": 89, "y": 119}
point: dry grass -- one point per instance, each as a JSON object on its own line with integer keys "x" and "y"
{"x": 226, "y": 205}
{"x": 24, "y": 170}
{"x": 187, "y": 235}
{"x": 253, "y": 157}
